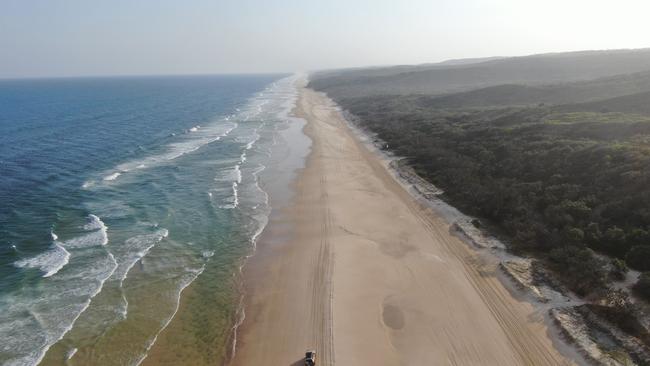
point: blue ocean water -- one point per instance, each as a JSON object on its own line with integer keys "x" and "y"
{"x": 115, "y": 195}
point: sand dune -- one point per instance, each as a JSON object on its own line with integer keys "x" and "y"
{"x": 358, "y": 270}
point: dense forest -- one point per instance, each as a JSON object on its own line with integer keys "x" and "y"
{"x": 448, "y": 77}
{"x": 559, "y": 181}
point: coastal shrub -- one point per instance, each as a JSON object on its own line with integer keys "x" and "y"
{"x": 639, "y": 257}
{"x": 618, "y": 269}
{"x": 614, "y": 242}
{"x": 580, "y": 269}
{"x": 639, "y": 236}
{"x": 642, "y": 286}
{"x": 622, "y": 315}
{"x": 593, "y": 235}
{"x": 573, "y": 236}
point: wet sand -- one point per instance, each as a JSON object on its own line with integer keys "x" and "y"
{"x": 359, "y": 271}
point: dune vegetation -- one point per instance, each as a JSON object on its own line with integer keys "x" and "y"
{"x": 559, "y": 173}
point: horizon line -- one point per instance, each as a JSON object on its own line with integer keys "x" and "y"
{"x": 251, "y": 73}
{"x": 107, "y": 76}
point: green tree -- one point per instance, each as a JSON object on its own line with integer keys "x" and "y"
{"x": 642, "y": 287}
{"x": 573, "y": 236}
{"x": 638, "y": 236}
{"x": 582, "y": 271}
{"x": 593, "y": 235}
{"x": 618, "y": 269}
{"x": 614, "y": 242}
{"x": 577, "y": 209}
{"x": 639, "y": 257}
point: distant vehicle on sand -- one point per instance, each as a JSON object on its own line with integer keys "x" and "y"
{"x": 310, "y": 358}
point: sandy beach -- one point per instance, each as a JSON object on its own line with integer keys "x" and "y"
{"x": 356, "y": 269}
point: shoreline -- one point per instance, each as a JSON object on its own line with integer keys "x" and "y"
{"x": 271, "y": 247}
{"x": 179, "y": 341}
{"x": 276, "y": 298}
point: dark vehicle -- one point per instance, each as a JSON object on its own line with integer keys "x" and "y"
{"x": 310, "y": 358}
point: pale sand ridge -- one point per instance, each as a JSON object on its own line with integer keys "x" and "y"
{"x": 358, "y": 270}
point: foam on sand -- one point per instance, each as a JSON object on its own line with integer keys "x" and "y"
{"x": 189, "y": 277}
{"x": 70, "y": 353}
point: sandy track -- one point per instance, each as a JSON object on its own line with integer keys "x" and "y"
{"x": 357, "y": 269}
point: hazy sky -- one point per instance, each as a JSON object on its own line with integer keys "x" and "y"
{"x": 107, "y": 37}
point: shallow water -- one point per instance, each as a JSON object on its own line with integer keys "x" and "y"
{"x": 117, "y": 194}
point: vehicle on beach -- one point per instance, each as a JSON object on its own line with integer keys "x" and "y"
{"x": 310, "y": 358}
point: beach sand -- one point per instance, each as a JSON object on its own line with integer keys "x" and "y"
{"x": 356, "y": 269}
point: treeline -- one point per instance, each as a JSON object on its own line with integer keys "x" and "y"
{"x": 558, "y": 185}
{"x": 464, "y": 75}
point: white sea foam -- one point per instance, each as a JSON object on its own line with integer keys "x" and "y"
{"x": 112, "y": 176}
{"x": 261, "y": 218}
{"x": 200, "y": 137}
{"x": 235, "y": 193}
{"x": 70, "y": 354}
{"x": 237, "y": 173}
{"x": 49, "y": 262}
{"x": 233, "y": 200}
{"x": 256, "y": 174}
{"x": 261, "y": 212}
{"x": 250, "y": 144}
{"x": 97, "y": 234}
{"x": 234, "y": 177}
{"x": 95, "y": 223}
{"x": 203, "y": 135}
{"x": 138, "y": 247}
{"x": 33, "y": 320}
{"x": 124, "y": 311}
{"x": 85, "y": 305}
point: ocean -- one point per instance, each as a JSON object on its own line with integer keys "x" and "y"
{"x": 128, "y": 206}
